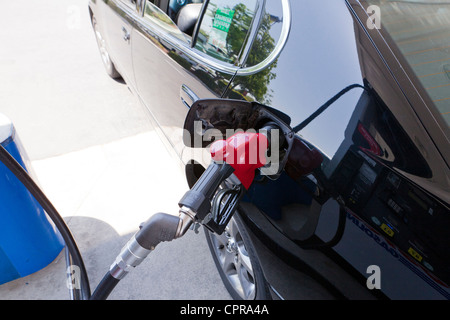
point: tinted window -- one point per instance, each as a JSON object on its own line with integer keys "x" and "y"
{"x": 420, "y": 30}
{"x": 263, "y": 44}
{"x": 129, "y": 4}
{"x": 268, "y": 33}
{"x": 225, "y": 28}
{"x": 158, "y": 17}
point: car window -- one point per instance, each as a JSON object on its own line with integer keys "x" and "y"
{"x": 129, "y": 3}
{"x": 154, "y": 13}
{"x": 225, "y": 28}
{"x": 420, "y": 30}
{"x": 268, "y": 34}
{"x": 256, "y": 85}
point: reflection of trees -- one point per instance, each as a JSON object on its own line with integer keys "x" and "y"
{"x": 239, "y": 28}
{"x": 262, "y": 46}
{"x": 255, "y": 85}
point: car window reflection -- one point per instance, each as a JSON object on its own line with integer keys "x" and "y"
{"x": 155, "y": 15}
{"x": 224, "y": 29}
{"x": 256, "y": 87}
{"x": 420, "y": 30}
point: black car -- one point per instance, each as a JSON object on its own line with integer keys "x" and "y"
{"x": 361, "y": 209}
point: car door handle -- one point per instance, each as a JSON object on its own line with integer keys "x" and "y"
{"x": 188, "y": 97}
{"x": 126, "y": 34}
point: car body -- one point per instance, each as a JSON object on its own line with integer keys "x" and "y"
{"x": 371, "y": 218}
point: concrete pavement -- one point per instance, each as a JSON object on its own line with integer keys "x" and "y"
{"x": 96, "y": 156}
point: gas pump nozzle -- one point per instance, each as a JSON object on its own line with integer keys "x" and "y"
{"x": 235, "y": 159}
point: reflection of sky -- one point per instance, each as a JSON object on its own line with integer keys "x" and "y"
{"x": 422, "y": 33}
{"x": 322, "y": 69}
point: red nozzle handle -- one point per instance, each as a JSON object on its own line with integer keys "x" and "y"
{"x": 244, "y": 151}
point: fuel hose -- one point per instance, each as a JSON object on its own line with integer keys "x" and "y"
{"x": 84, "y": 291}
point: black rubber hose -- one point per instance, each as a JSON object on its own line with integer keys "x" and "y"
{"x": 198, "y": 198}
{"x": 105, "y": 287}
{"x": 23, "y": 176}
{"x": 325, "y": 106}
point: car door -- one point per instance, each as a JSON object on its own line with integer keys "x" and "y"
{"x": 118, "y": 20}
{"x": 173, "y": 69}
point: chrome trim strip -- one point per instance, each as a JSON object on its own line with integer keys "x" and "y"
{"x": 276, "y": 292}
{"x": 187, "y": 92}
{"x": 149, "y": 29}
{"x": 251, "y": 35}
{"x": 287, "y": 21}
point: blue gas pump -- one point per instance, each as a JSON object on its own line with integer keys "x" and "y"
{"x": 29, "y": 240}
